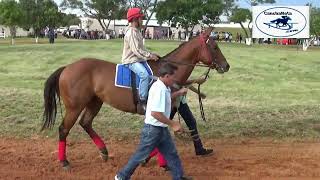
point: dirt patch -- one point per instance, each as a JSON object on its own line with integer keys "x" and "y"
{"x": 251, "y": 159}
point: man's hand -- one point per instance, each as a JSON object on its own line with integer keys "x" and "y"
{"x": 183, "y": 91}
{"x": 200, "y": 80}
{"x": 176, "y": 126}
{"x": 154, "y": 57}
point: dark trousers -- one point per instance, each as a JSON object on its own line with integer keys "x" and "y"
{"x": 190, "y": 121}
{"x": 51, "y": 40}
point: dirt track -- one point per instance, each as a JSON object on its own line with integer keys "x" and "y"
{"x": 250, "y": 159}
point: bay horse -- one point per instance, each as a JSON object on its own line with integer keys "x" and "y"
{"x": 88, "y": 83}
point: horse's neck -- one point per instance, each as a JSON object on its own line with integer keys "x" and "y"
{"x": 184, "y": 58}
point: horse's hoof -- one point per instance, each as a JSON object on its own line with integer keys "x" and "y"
{"x": 104, "y": 154}
{"x": 104, "y": 157}
{"x": 66, "y": 165}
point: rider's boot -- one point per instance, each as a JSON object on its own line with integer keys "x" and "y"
{"x": 142, "y": 106}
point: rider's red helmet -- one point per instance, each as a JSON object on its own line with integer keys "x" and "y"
{"x": 134, "y": 13}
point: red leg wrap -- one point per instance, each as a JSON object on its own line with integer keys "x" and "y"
{"x": 62, "y": 150}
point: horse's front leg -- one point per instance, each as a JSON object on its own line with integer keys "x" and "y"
{"x": 188, "y": 84}
{"x": 199, "y": 81}
{"x": 193, "y": 89}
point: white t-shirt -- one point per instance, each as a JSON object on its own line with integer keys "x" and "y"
{"x": 159, "y": 100}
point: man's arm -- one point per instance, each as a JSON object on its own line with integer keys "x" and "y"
{"x": 180, "y": 92}
{"x": 162, "y": 118}
{"x": 188, "y": 84}
{"x": 192, "y": 81}
{"x": 193, "y": 89}
{"x": 134, "y": 45}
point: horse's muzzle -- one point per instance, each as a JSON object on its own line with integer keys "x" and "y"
{"x": 223, "y": 69}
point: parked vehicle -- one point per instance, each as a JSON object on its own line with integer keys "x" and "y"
{"x": 61, "y": 29}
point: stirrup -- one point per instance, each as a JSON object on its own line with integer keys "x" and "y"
{"x": 141, "y": 107}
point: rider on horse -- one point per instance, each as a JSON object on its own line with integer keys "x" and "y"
{"x": 134, "y": 52}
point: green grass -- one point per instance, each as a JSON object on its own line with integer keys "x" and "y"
{"x": 270, "y": 91}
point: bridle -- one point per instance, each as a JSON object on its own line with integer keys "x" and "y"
{"x": 204, "y": 43}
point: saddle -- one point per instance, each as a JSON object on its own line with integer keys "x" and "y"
{"x": 125, "y": 78}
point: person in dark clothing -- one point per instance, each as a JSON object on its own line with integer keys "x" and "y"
{"x": 179, "y": 35}
{"x": 51, "y": 35}
{"x": 190, "y": 121}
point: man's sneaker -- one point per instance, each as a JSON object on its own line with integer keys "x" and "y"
{"x": 186, "y": 178}
{"x": 204, "y": 152}
{"x": 165, "y": 168}
{"x": 145, "y": 162}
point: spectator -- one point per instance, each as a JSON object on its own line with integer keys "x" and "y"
{"x": 190, "y": 35}
{"x": 51, "y": 35}
{"x": 230, "y": 37}
{"x": 148, "y": 34}
{"x": 198, "y": 33}
{"x": 120, "y": 33}
{"x": 237, "y": 37}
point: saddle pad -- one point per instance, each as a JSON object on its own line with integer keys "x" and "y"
{"x": 123, "y": 75}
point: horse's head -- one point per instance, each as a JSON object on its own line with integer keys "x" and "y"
{"x": 210, "y": 53}
{"x": 286, "y": 17}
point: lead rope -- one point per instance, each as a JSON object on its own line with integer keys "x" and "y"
{"x": 199, "y": 97}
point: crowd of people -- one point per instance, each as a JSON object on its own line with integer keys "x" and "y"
{"x": 90, "y": 34}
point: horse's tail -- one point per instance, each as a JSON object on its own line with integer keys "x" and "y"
{"x": 51, "y": 93}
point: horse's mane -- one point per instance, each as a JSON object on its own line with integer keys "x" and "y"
{"x": 175, "y": 50}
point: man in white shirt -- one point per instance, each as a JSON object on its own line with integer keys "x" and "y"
{"x": 155, "y": 133}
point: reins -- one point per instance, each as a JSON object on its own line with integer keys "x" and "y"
{"x": 186, "y": 64}
{"x": 199, "y": 96}
{"x": 204, "y": 41}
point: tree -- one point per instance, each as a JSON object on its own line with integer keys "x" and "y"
{"x": 241, "y": 15}
{"x": 39, "y": 14}
{"x": 10, "y": 16}
{"x": 189, "y": 13}
{"x": 69, "y": 19}
{"x": 257, "y": 2}
{"x": 314, "y": 26}
{"x": 51, "y": 14}
{"x": 229, "y": 6}
{"x": 147, "y": 6}
{"x": 247, "y": 13}
{"x": 165, "y": 11}
{"x": 98, "y": 9}
{"x": 212, "y": 9}
{"x": 315, "y": 21}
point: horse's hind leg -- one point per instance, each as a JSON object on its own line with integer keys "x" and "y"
{"x": 90, "y": 112}
{"x": 70, "y": 118}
